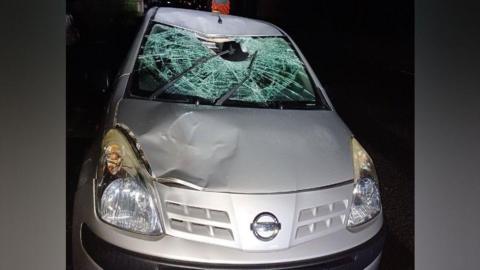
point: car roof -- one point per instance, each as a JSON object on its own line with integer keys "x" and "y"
{"x": 207, "y": 23}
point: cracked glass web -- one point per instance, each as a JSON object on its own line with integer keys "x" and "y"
{"x": 277, "y": 74}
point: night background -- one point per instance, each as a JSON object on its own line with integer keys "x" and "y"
{"x": 361, "y": 51}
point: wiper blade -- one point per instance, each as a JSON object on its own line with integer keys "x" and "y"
{"x": 186, "y": 99}
{"x": 199, "y": 62}
{"x": 234, "y": 89}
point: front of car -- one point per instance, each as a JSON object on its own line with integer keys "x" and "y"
{"x": 224, "y": 152}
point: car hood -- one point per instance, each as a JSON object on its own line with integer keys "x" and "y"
{"x": 240, "y": 150}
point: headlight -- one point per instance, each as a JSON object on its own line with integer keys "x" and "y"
{"x": 124, "y": 192}
{"x": 366, "y": 196}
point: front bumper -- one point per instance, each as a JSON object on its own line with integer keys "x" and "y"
{"x": 108, "y": 256}
{"x": 98, "y": 245}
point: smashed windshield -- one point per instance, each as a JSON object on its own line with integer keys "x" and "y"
{"x": 180, "y": 65}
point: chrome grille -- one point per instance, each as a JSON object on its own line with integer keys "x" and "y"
{"x": 324, "y": 218}
{"x": 199, "y": 221}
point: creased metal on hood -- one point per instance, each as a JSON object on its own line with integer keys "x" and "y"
{"x": 241, "y": 150}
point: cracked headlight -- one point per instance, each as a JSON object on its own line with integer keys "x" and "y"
{"x": 366, "y": 203}
{"x": 125, "y": 197}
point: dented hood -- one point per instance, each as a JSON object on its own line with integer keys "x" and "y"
{"x": 244, "y": 150}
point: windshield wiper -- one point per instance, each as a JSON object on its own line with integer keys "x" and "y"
{"x": 185, "y": 99}
{"x": 230, "y": 92}
{"x": 199, "y": 62}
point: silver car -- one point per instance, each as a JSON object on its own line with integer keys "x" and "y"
{"x": 220, "y": 149}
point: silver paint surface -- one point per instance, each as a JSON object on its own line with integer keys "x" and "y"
{"x": 244, "y": 207}
{"x": 242, "y": 150}
{"x": 228, "y": 150}
{"x": 206, "y": 23}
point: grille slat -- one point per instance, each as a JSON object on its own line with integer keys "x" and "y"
{"x": 323, "y": 218}
{"x": 320, "y": 218}
{"x": 199, "y": 221}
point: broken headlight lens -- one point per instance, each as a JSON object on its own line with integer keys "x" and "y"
{"x": 124, "y": 192}
{"x": 366, "y": 203}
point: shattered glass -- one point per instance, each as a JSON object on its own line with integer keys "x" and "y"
{"x": 277, "y": 74}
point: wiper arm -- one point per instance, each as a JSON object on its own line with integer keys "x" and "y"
{"x": 199, "y": 62}
{"x": 234, "y": 89}
{"x": 186, "y": 99}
